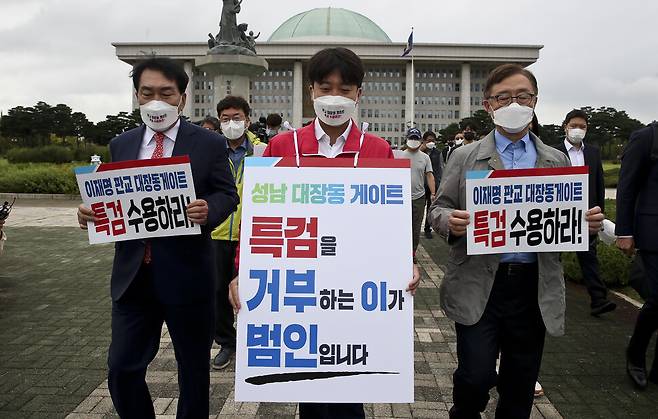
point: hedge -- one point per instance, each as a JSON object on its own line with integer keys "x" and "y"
{"x": 614, "y": 266}
{"x": 37, "y": 178}
{"x": 611, "y": 177}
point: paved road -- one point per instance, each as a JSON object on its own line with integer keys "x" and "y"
{"x": 54, "y": 334}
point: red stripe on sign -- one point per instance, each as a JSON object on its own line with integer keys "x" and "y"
{"x": 345, "y": 162}
{"x": 131, "y": 164}
{"x": 548, "y": 171}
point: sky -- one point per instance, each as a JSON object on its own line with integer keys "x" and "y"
{"x": 596, "y": 53}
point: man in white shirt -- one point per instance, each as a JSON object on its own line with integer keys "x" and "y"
{"x": 575, "y": 129}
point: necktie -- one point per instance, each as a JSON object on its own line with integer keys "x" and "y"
{"x": 158, "y": 153}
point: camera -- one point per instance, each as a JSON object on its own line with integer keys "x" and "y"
{"x": 260, "y": 129}
{"x": 5, "y": 209}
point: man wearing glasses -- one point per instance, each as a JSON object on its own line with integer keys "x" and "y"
{"x": 233, "y": 113}
{"x": 506, "y": 302}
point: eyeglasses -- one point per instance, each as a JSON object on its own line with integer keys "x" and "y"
{"x": 505, "y": 99}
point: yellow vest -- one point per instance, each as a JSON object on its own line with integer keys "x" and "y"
{"x": 230, "y": 228}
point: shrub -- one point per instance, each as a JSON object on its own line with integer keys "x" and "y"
{"x": 614, "y": 266}
{"x": 40, "y": 178}
{"x": 84, "y": 154}
{"x": 47, "y": 154}
{"x": 611, "y": 177}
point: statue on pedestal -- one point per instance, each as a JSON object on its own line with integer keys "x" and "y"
{"x": 232, "y": 38}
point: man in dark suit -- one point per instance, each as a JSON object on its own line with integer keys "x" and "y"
{"x": 169, "y": 279}
{"x": 575, "y": 129}
{"x": 637, "y": 227}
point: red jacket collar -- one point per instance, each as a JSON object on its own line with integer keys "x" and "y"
{"x": 308, "y": 144}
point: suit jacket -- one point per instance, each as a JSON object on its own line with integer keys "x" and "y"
{"x": 437, "y": 169}
{"x": 183, "y": 266}
{"x": 596, "y": 182}
{"x": 468, "y": 279}
{"x": 637, "y": 192}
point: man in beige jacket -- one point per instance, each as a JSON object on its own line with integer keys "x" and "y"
{"x": 500, "y": 303}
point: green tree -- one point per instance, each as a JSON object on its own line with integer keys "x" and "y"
{"x": 449, "y": 132}
{"x": 480, "y": 121}
{"x": 551, "y": 134}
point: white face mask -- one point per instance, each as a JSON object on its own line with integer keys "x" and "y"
{"x": 459, "y": 142}
{"x": 513, "y": 118}
{"x": 576, "y": 135}
{"x": 413, "y": 144}
{"x": 232, "y": 129}
{"x": 158, "y": 115}
{"x": 430, "y": 145}
{"x": 334, "y": 110}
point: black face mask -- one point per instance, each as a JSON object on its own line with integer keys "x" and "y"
{"x": 469, "y": 136}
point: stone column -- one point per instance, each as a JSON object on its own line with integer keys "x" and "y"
{"x": 189, "y": 69}
{"x": 410, "y": 94}
{"x": 297, "y": 95}
{"x": 134, "y": 93}
{"x": 465, "y": 100}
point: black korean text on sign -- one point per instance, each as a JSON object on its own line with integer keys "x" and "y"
{"x": 161, "y": 213}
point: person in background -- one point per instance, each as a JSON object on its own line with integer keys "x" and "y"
{"x": 429, "y": 147}
{"x": 273, "y": 125}
{"x": 233, "y": 112}
{"x": 421, "y": 172}
{"x": 575, "y": 130}
{"x": 3, "y": 236}
{"x": 470, "y": 136}
{"x": 448, "y": 149}
{"x": 211, "y": 123}
{"x": 637, "y": 228}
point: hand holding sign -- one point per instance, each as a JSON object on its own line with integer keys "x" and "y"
{"x": 85, "y": 215}
{"x": 458, "y": 222}
{"x": 197, "y": 212}
{"x": 594, "y": 218}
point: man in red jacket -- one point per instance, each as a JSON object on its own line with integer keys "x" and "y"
{"x": 336, "y": 75}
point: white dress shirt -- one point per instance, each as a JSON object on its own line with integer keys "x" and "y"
{"x": 324, "y": 146}
{"x": 576, "y": 155}
{"x": 148, "y": 142}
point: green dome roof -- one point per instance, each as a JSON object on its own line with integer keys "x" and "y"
{"x": 328, "y": 24}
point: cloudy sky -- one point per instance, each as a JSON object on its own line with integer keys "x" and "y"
{"x": 596, "y": 52}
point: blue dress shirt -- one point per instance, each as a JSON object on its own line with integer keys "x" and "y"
{"x": 517, "y": 155}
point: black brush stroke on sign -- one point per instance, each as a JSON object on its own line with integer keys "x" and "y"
{"x": 304, "y": 376}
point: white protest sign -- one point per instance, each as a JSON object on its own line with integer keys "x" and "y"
{"x": 138, "y": 199}
{"x": 325, "y": 259}
{"x": 527, "y": 210}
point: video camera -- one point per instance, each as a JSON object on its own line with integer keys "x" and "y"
{"x": 260, "y": 129}
{"x": 5, "y": 209}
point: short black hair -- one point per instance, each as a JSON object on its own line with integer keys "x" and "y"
{"x": 237, "y": 102}
{"x": 339, "y": 59}
{"x": 576, "y": 113}
{"x": 428, "y": 134}
{"x": 171, "y": 69}
{"x": 212, "y": 121}
{"x": 534, "y": 125}
{"x": 504, "y": 71}
{"x": 274, "y": 120}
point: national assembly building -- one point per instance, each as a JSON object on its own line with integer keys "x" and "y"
{"x": 447, "y": 85}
